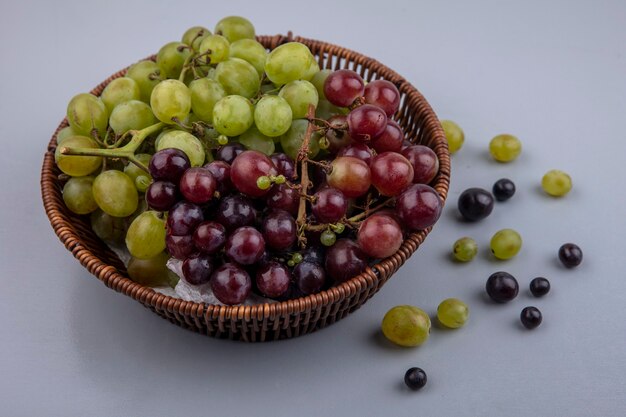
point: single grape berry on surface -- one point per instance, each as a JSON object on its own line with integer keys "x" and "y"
{"x": 502, "y": 287}
{"x": 452, "y": 313}
{"x": 475, "y": 204}
{"x": 465, "y": 249}
{"x": 503, "y": 189}
{"x": 570, "y": 255}
{"x": 556, "y": 183}
{"x": 406, "y": 326}
{"x": 454, "y": 135}
{"x": 505, "y": 244}
{"x": 415, "y": 378}
{"x": 505, "y": 148}
{"x": 531, "y": 317}
{"x": 539, "y": 286}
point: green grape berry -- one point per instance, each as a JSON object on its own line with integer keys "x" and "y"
{"x": 280, "y": 179}
{"x": 289, "y": 62}
{"x": 235, "y": 28}
{"x": 452, "y": 313}
{"x": 78, "y": 196}
{"x": 251, "y": 51}
{"x": 297, "y": 257}
{"x": 145, "y": 238}
{"x": 272, "y": 116}
{"x": 238, "y": 77}
{"x": 338, "y": 228}
{"x": 115, "y": 193}
{"x": 133, "y": 171}
{"x": 318, "y": 80}
{"x": 171, "y": 99}
{"x": 257, "y": 141}
{"x": 152, "y": 272}
{"x": 65, "y": 133}
{"x": 232, "y": 115}
{"x": 292, "y": 140}
{"x": 142, "y": 182}
{"x": 406, "y": 326}
{"x": 222, "y": 140}
{"x": 186, "y": 142}
{"x": 107, "y": 227}
{"x": 556, "y": 183}
{"x": 86, "y": 112}
{"x": 214, "y": 49}
{"x": 204, "y": 94}
{"x": 505, "y": 148}
{"x": 465, "y": 249}
{"x": 171, "y": 58}
{"x": 194, "y": 35}
{"x": 263, "y": 182}
{"x": 454, "y": 135}
{"x": 506, "y": 243}
{"x": 118, "y": 91}
{"x": 143, "y": 73}
{"x": 74, "y": 165}
{"x": 300, "y": 94}
{"x": 131, "y": 115}
{"x": 328, "y": 238}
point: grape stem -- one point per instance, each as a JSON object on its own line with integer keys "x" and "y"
{"x": 303, "y": 157}
{"x": 353, "y": 221}
{"x": 186, "y": 66}
{"x": 127, "y": 151}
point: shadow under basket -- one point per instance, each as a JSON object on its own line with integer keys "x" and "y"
{"x": 262, "y": 322}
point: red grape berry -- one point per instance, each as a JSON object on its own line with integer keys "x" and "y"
{"x": 342, "y": 87}
{"x": 379, "y": 236}
{"x": 350, "y": 175}
{"x": 391, "y": 173}
{"x": 366, "y": 122}
{"x": 418, "y": 207}
{"x": 383, "y": 94}
{"x": 231, "y": 284}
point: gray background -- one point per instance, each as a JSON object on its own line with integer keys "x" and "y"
{"x": 553, "y": 73}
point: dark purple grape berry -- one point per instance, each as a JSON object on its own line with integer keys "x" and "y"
{"x": 531, "y": 317}
{"x": 228, "y": 153}
{"x": 235, "y": 211}
{"x": 502, "y": 287}
{"x": 309, "y": 277}
{"x": 161, "y": 195}
{"x": 539, "y": 287}
{"x": 475, "y": 204}
{"x": 168, "y": 165}
{"x": 279, "y": 230}
{"x": 503, "y": 189}
{"x": 180, "y": 247}
{"x": 570, "y": 255}
{"x": 273, "y": 279}
{"x": 183, "y": 218}
{"x": 197, "y": 269}
{"x": 209, "y": 237}
{"x": 415, "y": 378}
{"x": 231, "y": 284}
{"x": 198, "y": 185}
{"x": 344, "y": 260}
{"x": 245, "y": 246}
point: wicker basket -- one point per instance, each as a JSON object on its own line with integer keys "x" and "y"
{"x": 261, "y": 322}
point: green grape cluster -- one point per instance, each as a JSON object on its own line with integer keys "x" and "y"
{"x": 201, "y": 92}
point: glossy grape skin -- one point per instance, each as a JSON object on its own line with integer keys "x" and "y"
{"x": 131, "y": 115}
{"x": 503, "y": 189}
{"x": 406, "y": 326}
{"x": 247, "y": 168}
{"x": 204, "y": 94}
{"x": 180, "y": 247}
{"x": 221, "y": 172}
{"x": 197, "y": 268}
{"x": 299, "y": 94}
{"x": 452, "y": 313}
{"x": 66, "y": 132}
{"x": 214, "y": 49}
{"x": 502, "y": 287}
{"x": 292, "y": 140}
{"x": 231, "y": 284}
{"x": 170, "y": 59}
{"x": 107, "y": 227}
{"x": 115, "y": 193}
{"x": 78, "y": 195}
{"x": 282, "y": 197}
{"x": 505, "y": 244}
{"x": 465, "y": 249}
{"x": 358, "y": 150}
{"x": 570, "y": 255}
{"x": 424, "y": 161}
{"x": 273, "y": 279}
{"x": 344, "y": 260}
{"x": 235, "y": 211}
{"x": 329, "y": 205}
{"x": 337, "y": 136}
{"x": 415, "y": 378}
{"x": 186, "y": 142}
{"x": 505, "y": 148}
{"x": 318, "y": 80}
{"x": 272, "y": 116}
{"x": 197, "y": 185}
{"x": 284, "y": 165}
{"x": 233, "y": 115}
{"x": 391, "y": 172}
{"x": 183, "y": 218}
{"x": 350, "y": 175}
{"x": 418, "y": 207}
{"x": 169, "y": 165}
{"x": 250, "y": 51}
{"x": 279, "y": 230}
{"x": 254, "y": 140}
{"x": 328, "y": 238}
{"x": 152, "y": 272}
{"x": 539, "y": 286}
{"x": 228, "y": 153}
{"x": 161, "y": 195}
{"x": 531, "y": 317}
{"x": 289, "y": 62}
{"x": 145, "y": 238}
{"x": 245, "y": 246}
{"x": 118, "y": 91}
{"x": 235, "y": 28}
{"x": 86, "y": 112}
{"x": 556, "y": 183}
{"x": 379, "y": 236}
{"x": 366, "y": 122}
{"x": 390, "y": 140}
{"x": 309, "y": 277}
{"x": 342, "y": 87}
{"x": 383, "y": 94}
{"x": 454, "y": 135}
{"x": 475, "y": 204}
{"x": 238, "y": 77}
{"x": 141, "y": 72}
{"x": 194, "y": 36}
{"x": 170, "y": 99}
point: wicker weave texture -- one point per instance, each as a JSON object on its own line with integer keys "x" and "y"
{"x": 261, "y": 322}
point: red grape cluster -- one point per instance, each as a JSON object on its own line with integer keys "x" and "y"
{"x": 251, "y": 222}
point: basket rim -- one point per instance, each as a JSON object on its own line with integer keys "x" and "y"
{"x": 379, "y": 271}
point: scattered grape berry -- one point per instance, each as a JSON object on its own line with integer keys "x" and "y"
{"x": 502, "y": 287}
{"x": 415, "y": 378}
{"x": 503, "y": 189}
{"x": 531, "y": 317}
{"x": 475, "y": 204}
{"x": 539, "y": 286}
{"x": 570, "y": 255}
